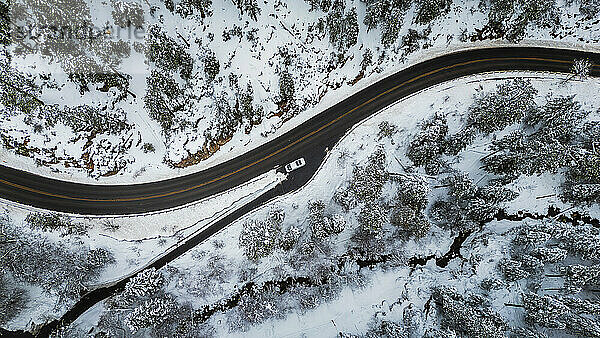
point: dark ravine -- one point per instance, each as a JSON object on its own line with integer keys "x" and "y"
{"x": 575, "y": 218}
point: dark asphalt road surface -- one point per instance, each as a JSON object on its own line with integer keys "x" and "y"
{"x": 308, "y": 140}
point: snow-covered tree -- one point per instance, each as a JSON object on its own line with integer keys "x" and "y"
{"x": 388, "y": 15}
{"x": 544, "y": 310}
{"x": 512, "y": 270}
{"x": 13, "y": 298}
{"x": 580, "y": 240}
{"x": 549, "y": 255}
{"x": 412, "y": 191}
{"x": 427, "y": 146}
{"x": 468, "y": 314}
{"x": 151, "y": 313}
{"x": 127, "y": 14}
{"x": 372, "y": 217}
{"x": 260, "y": 237}
{"x": 429, "y": 10}
{"x": 287, "y": 89}
{"x": 508, "y": 104}
{"x": 366, "y": 184}
{"x": 413, "y": 222}
{"x": 186, "y": 8}
{"x": 163, "y": 99}
{"x": 577, "y": 277}
{"x": 582, "y": 68}
{"x": 556, "y": 121}
{"x": 211, "y": 65}
{"x": 342, "y": 27}
{"x": 166, "y": 53}
{"x": 145, "y": 283}
{"x": 248, "y": 7}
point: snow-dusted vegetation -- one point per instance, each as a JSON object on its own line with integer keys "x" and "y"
{"x": 127, "y": 90}
{"x": 463, "y": 238}
{"x": 469, "y": 209}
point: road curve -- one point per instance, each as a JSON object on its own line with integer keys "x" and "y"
{"x": 308, "y": 140}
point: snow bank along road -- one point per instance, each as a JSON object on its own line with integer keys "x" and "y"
{"x": 308, "y": 140}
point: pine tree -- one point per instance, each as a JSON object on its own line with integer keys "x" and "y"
{"x": 186, "y": 8}
{"x": 429, "y": 10}
{"x": 468, "y": 314}
{"x": 508, "y": 104}
{"x": 428, "y": 145}
{"x": 578, "y": 277}
{"x": 152, "y": 312}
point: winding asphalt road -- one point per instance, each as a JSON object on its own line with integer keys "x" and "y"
{"x": 308, "y": 140}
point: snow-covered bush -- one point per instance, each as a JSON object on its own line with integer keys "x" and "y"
{"x": 261, "y": 304}
{"x": 145, "y": 283}
{"x": 386, "y": 129}
{"x": 411, "y": 200}
{"x": 13, "y": 298}
{"x": 512, "y": 270}
{"x": 589, "y": 8}
{"x": 549, "y": 255}
{"x": 468, "y": 314}
{"x": 260, "y": 237}
{"x": 582, "y": 67}
{"x": 18, "y": 91}
{"x": 152, "y": 312}
{"x": 55, "y": 222}
{"x": 323, "y": 226}
{"x": 127, "y": 14}
{"x": 287, "y": 91}
{"x": 428, "y": 145}
{"x": 210, "y": 277}
{"x": 508, "y": 104}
